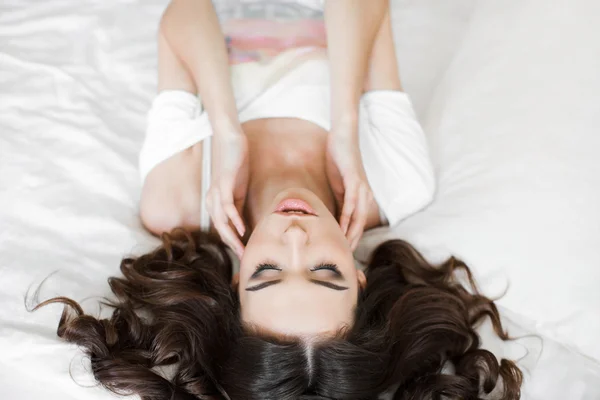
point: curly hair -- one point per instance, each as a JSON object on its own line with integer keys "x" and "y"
{"x": 175, "y": 306}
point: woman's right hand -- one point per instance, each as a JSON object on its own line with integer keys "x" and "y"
{"x": 229, "y": 184}
{"x": 348, "y": 181}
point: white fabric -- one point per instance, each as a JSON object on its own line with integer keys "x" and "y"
{"x": 505, "y": 78}
{"x": 282, "y": 10}
{"x": 514, "y": 128}
{"x": 395, "y": 154}
{"x": 392, "y": 142}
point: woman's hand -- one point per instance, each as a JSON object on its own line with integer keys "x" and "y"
{"x": 348, "y": 181}
{"x": 229, "y": 184}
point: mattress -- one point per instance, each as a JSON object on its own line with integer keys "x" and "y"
{"x": 76, "y": 80}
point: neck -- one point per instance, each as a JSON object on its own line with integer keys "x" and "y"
{"x": 282, "y": 159}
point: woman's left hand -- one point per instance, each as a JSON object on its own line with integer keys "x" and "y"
{"x": 227, "y": 193}
{"x": 348, "y": 181}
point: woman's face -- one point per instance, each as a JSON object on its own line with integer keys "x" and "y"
{"x": 297, "y": 275}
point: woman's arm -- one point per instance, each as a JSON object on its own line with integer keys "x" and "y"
{"x": 193, "y": 31}
{"x": 352, "y": 26}
{"x": 193, "y": 57}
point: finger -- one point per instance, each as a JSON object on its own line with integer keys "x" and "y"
{"x": 359, "y": 218}
{"x": 230, "y": 238}
{"x": 229, "y": 208}
{"x": 221, "y": 223}
{"x": 234, "y": 217}
{"x": 354, "y": 244}
{"x": 350, "y": 198}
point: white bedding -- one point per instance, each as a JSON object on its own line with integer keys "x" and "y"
{"x": 76, "y": 80}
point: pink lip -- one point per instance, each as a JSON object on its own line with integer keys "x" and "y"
{"x": 288, "y": 205}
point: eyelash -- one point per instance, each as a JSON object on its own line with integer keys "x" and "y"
{"x": 264, "y": 267}
{"x": 327, "y": 266}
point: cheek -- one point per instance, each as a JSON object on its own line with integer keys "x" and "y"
{"x": 334, "y": 244}
{"x": 334, "y": 235}
{"x": 256, "y": 248}
{"x": 259, "y": 234}
{"x": 331, "y": 225}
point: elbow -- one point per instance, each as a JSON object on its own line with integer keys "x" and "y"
{"x": 415, "y": 196}
{"x": 421, "y": 196}
{"x": 428, "y": 190}
{"x": 159, "y": 218}
{"x": 158, "y": 221}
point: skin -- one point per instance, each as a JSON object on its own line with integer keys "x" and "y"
{"x": 287, "y": 158}
{"x": 296, "y": 244}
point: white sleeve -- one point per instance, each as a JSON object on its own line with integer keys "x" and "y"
{"x": 395, "y": 154}
{"x": 175, "y": 122}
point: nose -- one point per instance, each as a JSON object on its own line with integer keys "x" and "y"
{"x": 295, "y": 235}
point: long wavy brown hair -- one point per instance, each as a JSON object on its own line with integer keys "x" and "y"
{"x": 175, "y": 306}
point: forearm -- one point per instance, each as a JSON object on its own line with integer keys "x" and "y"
{"x": 352, "y": 26}
{"x": 193, "y": 31}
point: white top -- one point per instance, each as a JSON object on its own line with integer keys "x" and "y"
{"x": 392, "y": 143}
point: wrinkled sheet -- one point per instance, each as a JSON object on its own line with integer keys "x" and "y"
{"x": 76, "y": 81}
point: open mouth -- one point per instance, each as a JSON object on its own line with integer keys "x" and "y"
{"x": 294, "y": 207}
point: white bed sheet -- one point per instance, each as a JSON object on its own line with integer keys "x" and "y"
{"x": 76, "y": 80}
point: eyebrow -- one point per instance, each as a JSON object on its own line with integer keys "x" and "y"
{"x": 326, "y": 284}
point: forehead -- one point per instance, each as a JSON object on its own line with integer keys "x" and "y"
{"x": 299, "y": 308}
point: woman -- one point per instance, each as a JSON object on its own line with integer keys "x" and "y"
{"x": 282, "y": 150}
{"x": 289, "y": 138}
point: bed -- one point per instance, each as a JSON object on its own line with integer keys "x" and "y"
{"x": 508, "y": 92}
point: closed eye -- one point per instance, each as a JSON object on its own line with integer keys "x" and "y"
{"x": 333, "y": 268}
{"x": 260, "y": 268}
{"x": 328, "y": 267}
